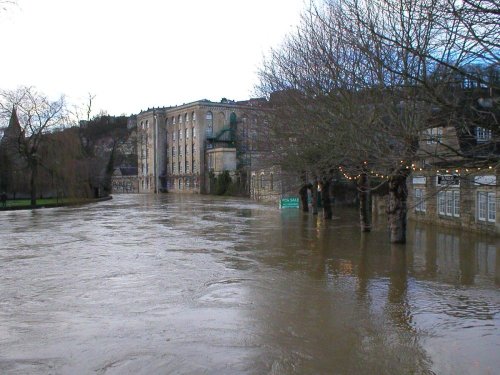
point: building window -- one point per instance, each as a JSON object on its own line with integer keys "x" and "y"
{"x": 180, "y": 134}
{"x": 449, "y": 203}
{"x": 442, "y": 203}
{"x": 456, "y": 203}
{"x": 173, "y": 120}
{"x": 486, "y": 206}
{"x": 180, "y": 119}
{"x": 209, "y": 123}
{"x": 262, "y": 181}
{"x": 186, "y": 133}
{"x": 186, "y": 118}
{"x": 173, "y": 151}
{"x": 434, "y": 135}
{"x": 173, "y": 135}
{"x": 194, "y": 132}
{"x": 420, "y": 205}
{"x": 253, "y": 142}
{"x": 482, "y": 134}
{"x": 193, "y": 116}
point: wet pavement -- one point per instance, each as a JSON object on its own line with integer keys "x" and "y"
{"x": 175, "y": 284}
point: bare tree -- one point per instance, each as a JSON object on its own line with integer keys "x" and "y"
{"x": 38, "y": 115}
{"x": 359, "y": 82}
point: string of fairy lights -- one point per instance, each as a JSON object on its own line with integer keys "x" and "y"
{"x": 414, "y": 168}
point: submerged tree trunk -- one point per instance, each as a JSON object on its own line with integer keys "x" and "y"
{"x": 325, "y": 196}
{"x": 314, "y": 195}
{"x": 33, "y": 178}
{"x": 365, "y": 211}
{"x": 303, "y": 198}
{"x": 396, "y": 209}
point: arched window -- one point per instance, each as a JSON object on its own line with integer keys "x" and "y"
{"x": 186, "y": 117}
{"x": 193, "y": 116}
{"x": 232, "y": 119}
{"x": 262, "y": 181}
{"x": 220, "y": 121}
{"x": 173, "y": 120}
{"x": 209, "y": 119}
{"x": 180, "y": 119}
{"x": 147, "y": 124}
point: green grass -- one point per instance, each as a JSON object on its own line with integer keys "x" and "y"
{"x": 47, "y": 202}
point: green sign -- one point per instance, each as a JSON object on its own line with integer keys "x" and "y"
{"x": 290, "y": 202}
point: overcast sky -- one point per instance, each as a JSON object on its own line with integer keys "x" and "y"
{"x": 137, "y": 54}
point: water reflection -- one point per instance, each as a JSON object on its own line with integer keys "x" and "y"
{"x": 450, "y": 256}
{"x": 187, "y": 284}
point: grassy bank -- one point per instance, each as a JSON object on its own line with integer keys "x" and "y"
{"x": 20, "y": 204}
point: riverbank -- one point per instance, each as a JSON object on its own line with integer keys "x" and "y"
{"x": 25, "y": 204}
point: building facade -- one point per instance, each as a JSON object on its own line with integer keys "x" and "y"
{"x": 181, "y": 148}
{"x": 457, "y": 181}
{"x": 458, "y": 198}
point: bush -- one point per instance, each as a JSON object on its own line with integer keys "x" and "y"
{"x": 223, "y": 183}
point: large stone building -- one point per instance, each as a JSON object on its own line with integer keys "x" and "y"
{"x": 181, "y": 148}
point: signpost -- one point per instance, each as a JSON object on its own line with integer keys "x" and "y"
{"x": 289, "y": 202}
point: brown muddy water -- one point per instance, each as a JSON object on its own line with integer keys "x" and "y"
{"x": 175, "y": 284}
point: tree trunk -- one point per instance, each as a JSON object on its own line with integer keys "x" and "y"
{"x": 396, "y": 209}
{"x": 314, "y": 194}
{"x": 34, "y": 175}
{"x": 364, "y": 203}
{"x": 303, "y": 198}
{"x": 325, "y": 196}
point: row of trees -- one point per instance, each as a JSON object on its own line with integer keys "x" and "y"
{"x": 45, "y": 152}
{"x": 357, "y": 84}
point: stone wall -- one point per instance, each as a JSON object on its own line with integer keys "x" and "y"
{"x": 124, "y": 185}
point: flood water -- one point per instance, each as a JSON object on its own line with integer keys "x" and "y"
{"x": 176, "y": 284}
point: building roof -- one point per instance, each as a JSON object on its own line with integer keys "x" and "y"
{"x": 250, "y": 103}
